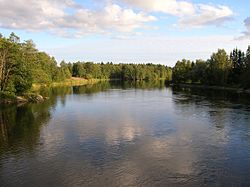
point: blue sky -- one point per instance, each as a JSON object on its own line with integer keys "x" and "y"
{"x": 140, "y": 31}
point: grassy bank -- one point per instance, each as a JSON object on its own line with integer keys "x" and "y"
{"x": 74, "y": 81}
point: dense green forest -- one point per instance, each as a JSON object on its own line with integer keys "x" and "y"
{"x": 220, "y": 70}
{"x": 90, "y": 70}
{"x": 22, "y": 65}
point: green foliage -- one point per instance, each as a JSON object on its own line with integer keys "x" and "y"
{"x": 121, "y": 71}
{"x": 199, "y": 72}
{"x": 65, "y": 68}
{"x": 12, "y": 71}
{"x": 246, "y": 71}
{"x": 7, "y": 95}
{"x": 219, "y": 70}
{"x": 237, "y": 58}
{"x": 21, "y": 64}
{"x": 181, "y": 71}
{"x": 219, "y": 67}
{"x": 22, "y": 79}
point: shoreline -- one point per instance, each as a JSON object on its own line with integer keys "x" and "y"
{"x": 34, "y": 97}
{"x": 223, "y": 88}
{"x": 73, "y": 81}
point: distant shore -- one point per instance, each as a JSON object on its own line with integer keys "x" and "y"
{"x": 225, "y": 88}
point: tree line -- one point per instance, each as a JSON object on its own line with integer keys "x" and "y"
{"x": 21, "y": 65}
{"x": 220, "y": 69}
{"x": 132, "y": 72}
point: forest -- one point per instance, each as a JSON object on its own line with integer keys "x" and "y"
{"x": 221, "y": 69}
{"x": 22, "y": 65}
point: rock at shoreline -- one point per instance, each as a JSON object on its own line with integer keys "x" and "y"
{"x": 21, "y": 100}
{"x": 39, "y": 98}
{"x": 32, "y": 98}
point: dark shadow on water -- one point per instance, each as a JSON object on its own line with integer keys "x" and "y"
{"x": 217, "y": 97}
{"x": 20, "y": 126}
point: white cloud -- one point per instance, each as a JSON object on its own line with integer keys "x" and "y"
{"x": 31, "y": 15}
{"x": 67, "y": 18}
{"x": 190, "y": 15}
{"x": 207, "y": 15}
{"x": 173, "y": 7}
{"x": 123, "y": 20}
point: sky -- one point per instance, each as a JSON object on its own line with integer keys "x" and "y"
{"x": 129, "y": 31}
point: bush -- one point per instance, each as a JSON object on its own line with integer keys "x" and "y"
{"x": 7, "y": 95}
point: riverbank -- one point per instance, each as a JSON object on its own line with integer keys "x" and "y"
{"x": 225, "y": 88}
{"x": 25, "y": 98}
{"x": 34, "y": 97}
{"x": 73, "y": 81}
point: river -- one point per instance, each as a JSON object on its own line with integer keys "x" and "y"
{"x": 127, "y": 134}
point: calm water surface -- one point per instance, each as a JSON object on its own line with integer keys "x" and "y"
{"x": 127, "y": 135}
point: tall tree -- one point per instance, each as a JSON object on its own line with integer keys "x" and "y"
{"x": 237, "y": 58}
{"x": 246, "y": 74}
{"x": 14, "y": 73}
{"x": 181, "y": 71}
{"x": 9, "y": 55}
{"x": 199, "y": 72}
{"x": 219, "y": 66}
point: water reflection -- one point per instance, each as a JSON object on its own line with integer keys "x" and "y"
{"x": 126, "y": 134}
{"x": 20, "y": 126}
